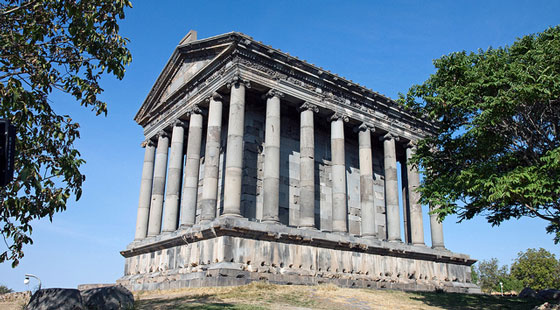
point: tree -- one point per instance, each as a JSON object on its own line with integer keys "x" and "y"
{"x": 474, "y": 274}
{"x": 537, "y": 269}
{"x": 5, "y": 290}
{"x": 49, "y": 45}
{"x": 490, "y": 274}
{"x": 496, "y": 146}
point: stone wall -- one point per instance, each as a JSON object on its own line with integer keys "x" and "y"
{"x": 239, "y": 251}
{"x": 241, "y": 259}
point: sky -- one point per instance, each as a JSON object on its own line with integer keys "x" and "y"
{"x": 384, "y": 45}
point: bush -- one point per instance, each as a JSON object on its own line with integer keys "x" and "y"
{"x": 5, "y": 290}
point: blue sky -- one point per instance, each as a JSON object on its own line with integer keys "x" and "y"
{"x": 383, "y": 45}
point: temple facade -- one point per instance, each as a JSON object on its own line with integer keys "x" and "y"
{"x": 261, "y": 166}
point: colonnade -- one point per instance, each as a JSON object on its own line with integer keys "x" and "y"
{"x": 158, "y": 214}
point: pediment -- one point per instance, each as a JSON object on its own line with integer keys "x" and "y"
{"x": 184, "y": 65}
{"x": 186, "y": 70}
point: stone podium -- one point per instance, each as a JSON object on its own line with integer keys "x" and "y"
{"x": 261, "y": 166}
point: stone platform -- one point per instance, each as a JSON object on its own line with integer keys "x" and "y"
{"x": 235, "y": 251}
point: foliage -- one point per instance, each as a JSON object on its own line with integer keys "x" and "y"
{"x": 537, "y": 269}
{"x": 490, "y": 275}
{"x": 496, "y": 144}
{"x": 474, "y": 274}
{"x": 51, "y": 45}
{"x": 5, "y": 290}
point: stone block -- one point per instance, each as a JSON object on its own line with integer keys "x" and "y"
{"x": 56, "y": 299}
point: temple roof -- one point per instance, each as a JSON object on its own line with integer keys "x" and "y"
{"x": 194, "y": 60}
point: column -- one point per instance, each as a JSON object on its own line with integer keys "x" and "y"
{"x": 211, "y": 160}
{"x": 405, "y": 202}
{"x": 437, "y": 231}
{"x": 234, "y": 155}
{"x": 145, "y": 191}
{"x": 391, "y": 189}
{"x": 192, "y": 164}
{"x": 366, "y": 181}
{"x": 160, "y": 168}
{"x": 307, "y": 166}
{"x": 271, "y": 172}
{"x": 415, "y": 219}
{"x": 339, "y": 212}
{"x": 174, "y": 177}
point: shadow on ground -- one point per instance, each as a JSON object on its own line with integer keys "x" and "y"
{"x": 474, "y": 302}
{"x": 194, "y": 302}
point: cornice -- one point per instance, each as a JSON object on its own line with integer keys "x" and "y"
{"x": 243, "y": 52}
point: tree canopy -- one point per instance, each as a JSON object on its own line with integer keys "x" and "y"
{"x": 46, "y": 46}
{"x": 496, "y": 148}
{"x": 537, "y": 269}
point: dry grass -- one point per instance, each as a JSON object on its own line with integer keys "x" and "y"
{"x": 258, "y": 295}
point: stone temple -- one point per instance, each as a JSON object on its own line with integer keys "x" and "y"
{"x": 261, "y": 166}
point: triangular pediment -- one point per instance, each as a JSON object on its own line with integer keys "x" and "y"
{"x": 186, "y": 63}
{"x": 184, "y": 73}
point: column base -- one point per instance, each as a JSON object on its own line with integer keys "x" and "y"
{"x": 368, "y": 236}
{"x": 230, "y": 215}
{"x": 440, "y": 248}
{"x": 271, "y": 220}
{"x": 307, "y": 228}
{"x": 422, "y": 244}
{"x": 338, "y": 232}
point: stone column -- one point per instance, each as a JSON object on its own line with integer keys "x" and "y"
{"x": 416, "y": 225}
{"x": 234, "y": 152}
{"x": 366, "y": 181}
{"x": 391, "y": 189}
{"x": 212, "y": 160}
{"x": 271, "y": 172}
{"x": 307, "y": 166}
{"x": 145, "y": 191}
{"x": 160, "y": 167}
{"x": 339, "y": 200}
{"x": 192, "y": 165}
{"x": 437, "y": 231}
{"x": 174, "y": 176}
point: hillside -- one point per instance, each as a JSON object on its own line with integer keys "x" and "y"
{"x": 257, "y": 296}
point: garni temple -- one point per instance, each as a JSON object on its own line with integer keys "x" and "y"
{"x": 260, "y": 166}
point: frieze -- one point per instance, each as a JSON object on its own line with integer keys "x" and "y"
{"x": 274, "y": 74}
{"x": 367, "y": 105}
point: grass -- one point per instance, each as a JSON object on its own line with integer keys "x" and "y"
{"x": 258, "y": 296}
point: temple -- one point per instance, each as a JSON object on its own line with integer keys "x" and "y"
{"x": 261, "y": 166}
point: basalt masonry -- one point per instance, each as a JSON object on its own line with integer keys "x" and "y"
{"x": 260, "y": 166}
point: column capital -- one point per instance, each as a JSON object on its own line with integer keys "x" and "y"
{"x": 147, "y": 142}
{"x": 237, "y": 80}
{"x": 412, "y": 145}
{"x": 308, "y": 106}
{"x": 274, "y": 93}
{"x": 389, "y": 136}
{"x": 194, "y": 109}
{"x": 340, "y": 116}
{"x": 162, "y": 134}
{"x": 179, "y": 123}
{"x": 215, "y": 96}
{"x": 364, "y": 127}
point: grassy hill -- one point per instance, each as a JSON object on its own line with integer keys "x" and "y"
{"x": 258, "y": 296}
